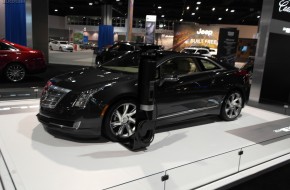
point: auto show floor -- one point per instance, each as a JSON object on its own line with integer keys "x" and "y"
{"x": 208, "y": 155}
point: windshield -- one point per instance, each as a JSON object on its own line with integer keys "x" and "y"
{"x": 129, "y": 62}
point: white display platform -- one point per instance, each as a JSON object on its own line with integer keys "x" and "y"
{"x": 203, "y": 156}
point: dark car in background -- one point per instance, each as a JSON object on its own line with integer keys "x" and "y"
{"x": 17, "y": 61}
{"x": 122, "y": 48}
{"x": 102, "y": 101}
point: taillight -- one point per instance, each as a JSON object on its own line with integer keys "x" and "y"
{"x": 242, "y": 73}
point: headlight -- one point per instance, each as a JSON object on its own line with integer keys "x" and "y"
{"x": 83, "y": 99}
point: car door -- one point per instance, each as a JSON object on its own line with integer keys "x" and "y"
{"x": 183, "y": 87}
{"x": 218, "y": 76}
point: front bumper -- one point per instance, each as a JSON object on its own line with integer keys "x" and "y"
{"x": 78, "y": 127}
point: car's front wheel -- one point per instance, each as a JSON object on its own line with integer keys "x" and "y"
{"x": 120, "y": 120}
{"x": 232, "y": 106}
{"x": 15, "y": 72}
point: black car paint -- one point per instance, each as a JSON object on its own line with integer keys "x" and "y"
{"x": 172, "y": 98}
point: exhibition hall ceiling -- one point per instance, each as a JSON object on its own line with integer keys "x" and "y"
{"x": 245, "y": 12}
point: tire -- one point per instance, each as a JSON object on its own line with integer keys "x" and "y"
{"x": 50, "y": 48}
{"x": 15, "y": 72}
{"x": 60, "y": 49}
{"x": 232, "y": 106}
{"x": 119, "y": 123}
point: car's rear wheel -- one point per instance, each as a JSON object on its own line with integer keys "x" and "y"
{"x": 120, "y": 120}
{"x": 232, "y": 106}
{"x": 50, "y": 48}
{"x": 15, "y": 72}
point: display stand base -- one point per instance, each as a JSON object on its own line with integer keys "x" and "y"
{"x": 208, "y": 155}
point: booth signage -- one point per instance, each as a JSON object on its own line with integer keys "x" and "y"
{"x": 282, "y": 10}
{"x": 205, "y": 32}
{"x": 228, "y": 42}
{"x": 150, "y": 28}
{"x": 286, "y": 30}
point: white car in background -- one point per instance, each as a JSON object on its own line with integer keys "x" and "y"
{"x": 60, "y": 45}
{"x": 198, "y": 51}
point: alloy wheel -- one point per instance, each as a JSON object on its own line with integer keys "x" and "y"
{"x": 15, "y": 72}
{"x": 122, "y": 122}
{"x": 233, "y": 105}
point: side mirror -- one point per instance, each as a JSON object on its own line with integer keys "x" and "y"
{"x": 168, "y": 78}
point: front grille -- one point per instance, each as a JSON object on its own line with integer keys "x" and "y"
{"x": 52, "y": 96}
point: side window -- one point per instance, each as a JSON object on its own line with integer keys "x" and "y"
{"x": 124, "y": 47}
{"x": 208, "y": 65}
{"x": 4, "y": 46}
{"x": 202, "y": 51}
{"x": 178, "y": 66}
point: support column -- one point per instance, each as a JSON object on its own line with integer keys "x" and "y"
{"x": 262, "y": 47}
{"x": 107, "y": 14}
{"x": 40, "y": 26}
{"x": 130, "y": 20}
{"x": 2, "y": 20}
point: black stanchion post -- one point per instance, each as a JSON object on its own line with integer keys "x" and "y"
{"x": 145, "y": 115}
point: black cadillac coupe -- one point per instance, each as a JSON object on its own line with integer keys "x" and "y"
{"x": 102, "y": 100}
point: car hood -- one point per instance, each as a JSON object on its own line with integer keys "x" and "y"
{"x": 90, "y": 78}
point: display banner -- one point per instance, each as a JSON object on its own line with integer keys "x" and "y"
{"x": 281, "y": 10}
{"x": 150, "y": 28}
{"x": 15, "y": 21}
{"x": 106, "y": 36}
{"x": 192, "y": 34}
{"x": 228, "y": 43}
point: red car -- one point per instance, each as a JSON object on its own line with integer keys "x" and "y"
{"x": 17, "y": 61}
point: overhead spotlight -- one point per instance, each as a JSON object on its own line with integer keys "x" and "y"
{"x": 198, "y": 3}
{"x": 192, "y": 14}
{"x": 197, "y": 8}
{"x": 258, "y": 16}
{"x": 232, "y": 11}
{"x": 90, "y": 4}
{"x": 227, "y": 9}
{"x": 159, "y": 7}
{"x": 71, "y": 7}
{"x": 198, "y": 18}
{"x": 220, "y": 18}
{"x": 117, "y": 0}
{"x": 187, "y": 7}
{"x": 55, "y": 10}
{"x": 213, "y": 9}
{"x": 162, "y": 16}
{"x": 181, "y": 20}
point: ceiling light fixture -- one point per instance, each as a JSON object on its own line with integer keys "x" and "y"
{"x": 197, "y": 8}
{"x": 213, "y": 9}
{"x": 159, "y": 7}
{"x": 232, "y": 11}
{"x": 162, "y": 16}
{"x": 55, "y": 10}
{"x": 90, "y": 4}
{"x": 71, "y": 7}
{"x": 220, "y": 18}
{"x": 187, "y": 7}
{"x": 181, "y": 20}
{"x": 198, "y": 3}
{"x": 192, "y": 14}
{"x": 227, "y": 9}
{"x": 258, "y": 16}
{"x": 117, "y": 0}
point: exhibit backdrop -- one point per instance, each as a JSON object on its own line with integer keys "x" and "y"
{"x": 192, "y": 34}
